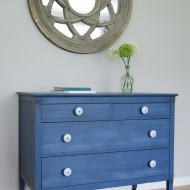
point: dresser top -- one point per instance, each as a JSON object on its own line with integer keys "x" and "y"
{"x": 101, "y": 94}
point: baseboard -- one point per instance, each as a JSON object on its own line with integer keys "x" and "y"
{"x": 181, "y": 181}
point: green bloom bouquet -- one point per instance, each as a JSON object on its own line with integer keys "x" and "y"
{"x": 125, "y": 51}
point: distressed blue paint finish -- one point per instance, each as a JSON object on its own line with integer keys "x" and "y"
{"x": 21, "y": 181}
{"x": 103, "y": 135}
{"x": 27, "y": 143}
{"x": 110, "y": 142}
{"x": 67, "y": 111}
{"x": 102, "y": 100}
{"x": 96, "y": 168}
{"x": 112, "y": 183}
{"x": 96, "y": 112}
{"x": 170, "y": 181}
{"x": 134, "y": 110}
{"x": 38, "y": 144}
{"x": 99, "y": 94}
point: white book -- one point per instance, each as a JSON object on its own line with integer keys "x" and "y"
{"x": 74, "y": 92}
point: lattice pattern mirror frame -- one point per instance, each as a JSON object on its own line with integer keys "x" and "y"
{"x": 48, "y": 23}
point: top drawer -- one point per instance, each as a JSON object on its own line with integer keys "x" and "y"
{"x": 141, "y": 110}
{"x": 82, "y": 112}
{"x": 76, "y": 112}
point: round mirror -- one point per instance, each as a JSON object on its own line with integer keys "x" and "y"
{"x": 81, "y": 26}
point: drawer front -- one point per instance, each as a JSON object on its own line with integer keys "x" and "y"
{"x": 94, "y": 168}
{"x": 103, "y": 135}
{"x": 76, "y": 111}
{"x": 141, "y": 110}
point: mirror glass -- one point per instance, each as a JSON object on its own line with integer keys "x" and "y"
{"x": 98, "y": 32}
{"x": 82, "y": 6}
{"x": 63, "y": 28}
{"x": 104, "y": 15}
{"x": 57, "y": 10}
{"x": 81, "y": 28}
{"x": 45, "y": 2}
{"x": 81, "y": 21}
{"x": 115, "y": 4}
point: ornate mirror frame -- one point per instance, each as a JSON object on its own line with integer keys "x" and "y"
{"x": 45, "y": 21}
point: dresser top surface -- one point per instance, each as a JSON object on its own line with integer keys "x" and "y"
{"x": 98, "y": 94}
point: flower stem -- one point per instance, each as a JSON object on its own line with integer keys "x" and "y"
{"x": 124, "y": 61}
{"x": 124, "y": 85}
{"x": 128, "y": 60}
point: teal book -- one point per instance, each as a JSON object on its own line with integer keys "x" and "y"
{"x": 71, "y": 89}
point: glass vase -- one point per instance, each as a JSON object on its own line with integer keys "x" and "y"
{"x": 127, "y": 82}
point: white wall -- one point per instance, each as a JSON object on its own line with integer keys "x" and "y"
{"x": 28, "y": 62}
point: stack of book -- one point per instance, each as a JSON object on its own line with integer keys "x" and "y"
{"x": 75, "y": 90}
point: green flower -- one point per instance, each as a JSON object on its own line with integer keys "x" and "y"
{"x": 125, "y": 50}
{"x": 114, "y": 53}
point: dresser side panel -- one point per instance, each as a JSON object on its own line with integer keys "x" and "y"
{"x": 172, "y": 137}
{"x": 27, "y": 141}
{"x": 38, "y": 144}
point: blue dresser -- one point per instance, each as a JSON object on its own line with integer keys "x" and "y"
{"x": 95, "y": 141}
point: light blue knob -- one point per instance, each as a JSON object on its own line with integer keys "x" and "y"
{"x": 153, "y": 134}
{"x": 79, "y": 111}
{"x": 152, "y": 164}
{"x": 67, "y": 172}
{"x": 67, "y": 138}
{"x": 144, "y": 110}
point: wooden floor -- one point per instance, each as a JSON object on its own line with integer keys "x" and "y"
{"x": 180, "y": 188}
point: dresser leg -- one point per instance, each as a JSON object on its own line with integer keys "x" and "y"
{"x": 21, "y": 184}
{"x": 169, "y": 184}
{"x": 134, "y": 187}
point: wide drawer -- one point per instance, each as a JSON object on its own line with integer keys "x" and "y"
{"x": 141, "y": 110}
{"x": 104, "y": 135}
{"x": 76, "y": 111}
{"x": 94, "y": 168}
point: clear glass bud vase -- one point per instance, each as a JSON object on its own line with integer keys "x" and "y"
{"x": 127, "y": 82}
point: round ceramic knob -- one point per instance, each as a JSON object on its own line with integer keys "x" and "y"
{"x": 152, "y": 164}
{"x": 67, "y": 138}
{"x": 153, "y": 134}
{"x": 144, "y": 110}
{"x": 79, "y": 111}
{"x": 67, "y": 172}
